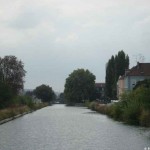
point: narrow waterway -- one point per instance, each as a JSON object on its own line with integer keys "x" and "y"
{"x": 70, "y": 128}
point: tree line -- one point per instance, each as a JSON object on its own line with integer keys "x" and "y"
{"x": 12, "y": 76}
{"x": 80, "y": 84}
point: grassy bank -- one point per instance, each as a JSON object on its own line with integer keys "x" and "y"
{"x": 20, "y": 105}
{"x": 134, "y": 108}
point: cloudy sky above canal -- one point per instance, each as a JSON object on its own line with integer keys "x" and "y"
{"x": 54, "y": 37}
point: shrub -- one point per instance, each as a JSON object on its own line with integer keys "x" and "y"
{"x": 87, "y": 103}
{"x": 92, "y": 105}
{"x": 116, "y": 111}
{"x": 133, "y": 108}
{"x": 101, "y": 108}
{"x": 134, "y": 102}
{"x": 23, "y": 100}
{"x": 131, "y": 114}
{"x": 145, "y": 118}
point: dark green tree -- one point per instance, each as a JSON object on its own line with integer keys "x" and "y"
{"x": 29, "y": 93}
{"x": 12, "y": 75}
{"x": 44, "y": 92}
{"x": 110, "y": 78}
{"x": 115, "y": 67}
{"x": 6, "y": 95}
{"x": 79, "y": 86}
{"x": 122, "y": 63}
{"x": 61, "y": 98}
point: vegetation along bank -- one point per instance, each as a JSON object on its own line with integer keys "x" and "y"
{"x": 13, "y": 100}
{"x": 133, "y": 108}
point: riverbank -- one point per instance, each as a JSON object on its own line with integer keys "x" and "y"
{"x": 11, "y": 113}
{"x": 117, "y": 111}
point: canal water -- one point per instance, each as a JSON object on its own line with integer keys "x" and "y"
{"x": 71, "y": 128}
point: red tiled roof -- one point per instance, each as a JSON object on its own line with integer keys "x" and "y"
{"x": 100, "y": 84}
{"x": 141, "y": 69}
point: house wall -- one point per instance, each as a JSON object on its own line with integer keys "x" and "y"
{"x": 120, "y": 87}
{"x": 130, "y": 81}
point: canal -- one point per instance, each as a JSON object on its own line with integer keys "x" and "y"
{"x": 71, "y": 128}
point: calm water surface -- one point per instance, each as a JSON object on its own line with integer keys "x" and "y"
{"x": 70, "y": 128}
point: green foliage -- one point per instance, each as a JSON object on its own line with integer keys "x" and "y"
{"x": 11, "y": 79}
{"x": 29, "y": 93}
{"x": 12, "y": 73}
{"x": 116, "y": 111}
{"x": 44, "y": 92}
{"x": 101, "y": 108}
{"x": 131, "y": 113}
{"x": 22, "y": 101}
{"x": 145, "y": 83}
{"x": 87, "y": 103}
{"x": 61, "y": 98}
{"x": 92, "y": 105}
{"x": 5, "y": 95}
{"x": 115, "y": 67}
{"x": 145, "y": 118}
{"x": 110, "y": 80}
{"x": 134, "y": 107}
{"x": 79, "y": 86}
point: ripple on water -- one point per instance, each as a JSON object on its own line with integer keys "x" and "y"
{"x": 70, "y": 128}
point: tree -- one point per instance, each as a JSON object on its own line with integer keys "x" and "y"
{"x": 115, "y": 67}
{"x": 79, "y": 86}
{"x": 44, "y": 92}
{"x": 29, "y": 93}
{"x": 110, "y": 77}
{"x": 61, "y": 98}
{"x": 122, "y": 63}
{"x": 12, "y": 73}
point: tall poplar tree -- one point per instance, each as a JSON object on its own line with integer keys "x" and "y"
{"x": 115, "y": 67}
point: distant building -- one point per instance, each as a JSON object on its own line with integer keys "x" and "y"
{"x": 137, "y": 73}
{"x": 100, "y": 91}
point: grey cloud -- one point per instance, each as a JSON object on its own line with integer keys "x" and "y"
{"x": 54, "y": 37}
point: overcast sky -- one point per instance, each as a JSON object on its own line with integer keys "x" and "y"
{"x": 55, "y": 37}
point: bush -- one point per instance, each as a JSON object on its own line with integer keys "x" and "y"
{"x": 145, "y": 118}
{"x": 116, "y": 111}
{"x": 23, "y": 100}
{"x": 87, "y": 103}
{"x": 133, "y": 108}
{"x": 131, "y": 114}
{"x": 101, "y": 108}
{"x": 92, "y": 105}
